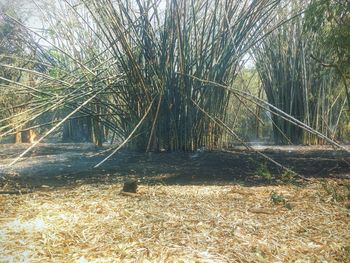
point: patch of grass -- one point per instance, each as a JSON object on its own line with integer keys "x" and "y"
{"x": 346, "y": 250}
{"x": 332, "y": 190}
{"x": 278, "y": 199}
{"x": 263, "y": 172}
{"x": 287, "y": 177}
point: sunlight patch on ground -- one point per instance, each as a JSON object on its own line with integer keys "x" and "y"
{"x": 36, "y": 224}
{"x": 94, "y": 223}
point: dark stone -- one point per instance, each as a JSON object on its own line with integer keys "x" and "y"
{"x": 130, "y": 186}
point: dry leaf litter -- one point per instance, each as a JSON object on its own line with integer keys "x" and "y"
{"x": 95, "y": 223}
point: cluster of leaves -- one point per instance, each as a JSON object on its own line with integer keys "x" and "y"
{"x": 263, "y": 172}
{"x": 330, "y": 20}
{"x": 279, "y": 199}
{"x": 333, "y": 191}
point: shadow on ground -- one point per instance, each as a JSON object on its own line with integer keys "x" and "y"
{"x": 67, "y": 165}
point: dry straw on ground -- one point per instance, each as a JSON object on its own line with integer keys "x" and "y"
{"x": 94, "y": 223}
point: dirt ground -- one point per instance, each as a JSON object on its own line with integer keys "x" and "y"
{"x": 219, "y": 206}
{"x": 57, "y": 165}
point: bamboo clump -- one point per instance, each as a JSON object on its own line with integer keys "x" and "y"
{"x": 298, "y": 84}
{"x": 155, "y": 75}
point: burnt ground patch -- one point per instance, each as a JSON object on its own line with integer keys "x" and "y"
{"x": 63, "y": 165}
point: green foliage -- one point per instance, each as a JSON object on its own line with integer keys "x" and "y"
{"x": 345, "y": 129}
{"x": 287, "y": 176}
{"x": 346, "y": 251}
{"x": 54, "y": 72}
{"x": 330, "y": 20}
{"x": 263, "y": 172}
{"x": 278, "y": 199}
{"x": 291, "y": 64}
{"x": 243, "y": 115}
{"x": 332, "y": 190}
{"x": 279, "y": 63}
